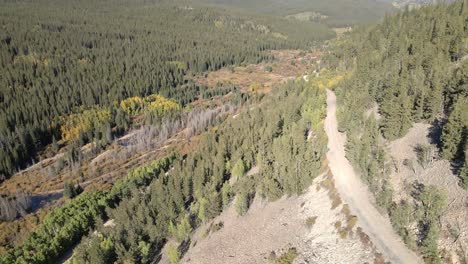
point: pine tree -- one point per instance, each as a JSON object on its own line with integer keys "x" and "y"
{"x": 238, "y": 170}
{"x": 242, "y": 203}
{"x": 69, "y": 190}
{"x": 226, "y": 194}
{"x": 396, "y": 110}
{"x": 455, "y": 132}
{"x": 55, "y": 146}
{"x": 464, "y": 169}
{"x": 173, "y": 254}
{"x": 429, "y": 244}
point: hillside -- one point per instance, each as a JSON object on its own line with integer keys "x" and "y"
{"x": 402, "y": 4}
{"x": 411, "y": 68}
{"x": 337, "y": 13}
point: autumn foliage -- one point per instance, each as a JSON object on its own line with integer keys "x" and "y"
{"x": 96, "y": 118}
{"x": 154, "y": 103}
{"x": 83, "y": 122}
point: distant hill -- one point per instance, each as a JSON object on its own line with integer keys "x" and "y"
{"x": 411, "y": 3}
{"x": 337, "y": 12}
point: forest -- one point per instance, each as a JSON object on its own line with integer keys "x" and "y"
{"x": 167, "y": 199}
{"x": 334, "y": 13}
{"x": 413, "y": 67}
{"x": 68, "y": 58}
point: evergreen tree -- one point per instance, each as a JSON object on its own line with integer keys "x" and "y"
{"x": 397, "y": 114}
{"x": 429, "y": 244}
{"x": 239, "y": 169}
{"x": 226, "y": 193}
{"x": 455, "y": 132}
{"x": 464, "y": 169}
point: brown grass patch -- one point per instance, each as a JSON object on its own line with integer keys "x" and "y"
{"x": 363, "y": 237}
{"x": 256, "y": 78}
{"x": 351, "y": 222}
{"x": 379, "y": 258}
{"x": 329, "y": 184}
{"x": 343, "y": 234}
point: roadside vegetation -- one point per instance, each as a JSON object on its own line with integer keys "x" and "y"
{"x": 426, "y": 84}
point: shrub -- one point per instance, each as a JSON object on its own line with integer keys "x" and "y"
{"x": 70, "y": 190}
{"x": 173, "y": 254}
{"x": 425, "y": 154}
{"x": 310, "y": 221}
{"x": 352, "y": 221}
{"x": 242, "y": 203}
{"x": 288, "y": 257}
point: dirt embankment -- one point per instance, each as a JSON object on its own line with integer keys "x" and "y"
{"x": 319, "y": 231}
{"x": 409, "y": 172}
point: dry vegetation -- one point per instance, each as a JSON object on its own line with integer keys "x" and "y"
{"x": 287, "y": 65}
{"x": 142, "y": 145}
{"x": 350, "y": 221}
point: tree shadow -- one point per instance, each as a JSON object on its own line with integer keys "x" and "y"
{"x": 417, "y": 189}
{"x": 40, "y": 200}
{"x": 456, "y": 167}
{"x": 435, "y": 132}
{"x": 184, "y": 247}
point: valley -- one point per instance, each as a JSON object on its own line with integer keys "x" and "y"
{"x": 99, "y": 170}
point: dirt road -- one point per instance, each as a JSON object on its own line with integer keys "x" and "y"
{"x": 356, "y": 194}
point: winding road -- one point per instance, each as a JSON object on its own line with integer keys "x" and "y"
{"x": 356, "y": 194}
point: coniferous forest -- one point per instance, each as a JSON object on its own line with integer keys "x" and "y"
{"x": 60, "y": 57}
{"x": 413, "y": 65}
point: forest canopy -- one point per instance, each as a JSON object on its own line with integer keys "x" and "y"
{"x": 60, "y": 58}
